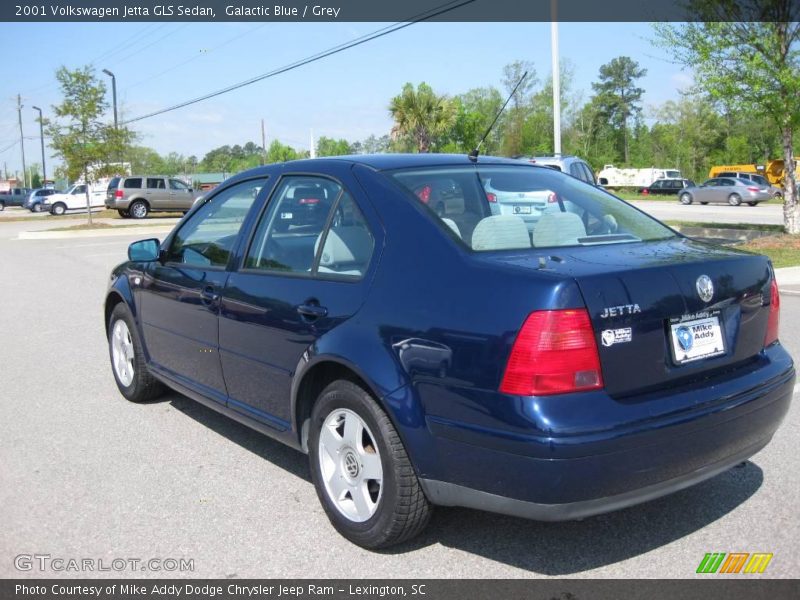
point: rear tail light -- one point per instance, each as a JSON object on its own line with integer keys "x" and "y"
{"x": 309, "y": 200}
{"x": 774, "y": 314}
{"x": 118, "y": 194}
{"x": 752, "y": 188}
{"x": 552, "y": 198}
{"x": 491, "y": 197}
{"x": 555, "y": 352}
{"x": 645, "y": 191}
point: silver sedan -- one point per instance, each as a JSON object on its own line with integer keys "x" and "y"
{"x": 731, "y": 190}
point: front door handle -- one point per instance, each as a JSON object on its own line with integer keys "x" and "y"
{"x": 312, "y": 311}
{"x": 208, "y": 295}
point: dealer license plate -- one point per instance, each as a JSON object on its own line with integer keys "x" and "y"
{"x": 696, "y": 338}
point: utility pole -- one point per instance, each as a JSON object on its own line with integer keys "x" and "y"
{"x": 263, "y": 143}
{"x": 41, "y": 136}
{"x": 22, "y": 142}
{"x": 556, "y": 78}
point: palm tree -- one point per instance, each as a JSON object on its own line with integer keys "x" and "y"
{"x": 421, "y": 115}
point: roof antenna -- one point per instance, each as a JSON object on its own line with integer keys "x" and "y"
{"x": 473, "y": 156}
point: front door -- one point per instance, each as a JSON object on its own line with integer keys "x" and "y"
{"x": 180, "y": 296}
{"x": 304, "y": 273}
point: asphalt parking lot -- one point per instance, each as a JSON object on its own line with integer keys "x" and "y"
{"x": 85, "y": 474}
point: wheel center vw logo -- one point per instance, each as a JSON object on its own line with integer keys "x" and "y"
{"x": 705, "y": 288}
{"x": 351, "y": 464}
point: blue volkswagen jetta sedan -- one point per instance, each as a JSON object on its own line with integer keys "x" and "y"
{"x": 377, "y": 313}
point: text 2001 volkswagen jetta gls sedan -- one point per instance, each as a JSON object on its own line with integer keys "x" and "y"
{"x": 586, "y": 362}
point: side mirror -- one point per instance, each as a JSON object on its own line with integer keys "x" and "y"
{"x": 144, "y": 250}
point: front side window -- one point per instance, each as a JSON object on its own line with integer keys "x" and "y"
{"x": 311, "y": 225}
{"x": 175, "y": 184}
{"x": 81, "y": 189}
{"x": 208, "y": 237}
{"x": 507, "y": 207}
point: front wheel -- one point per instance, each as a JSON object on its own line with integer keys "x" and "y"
{"x": 734, "y": 199}
{"x": 59, "y": 208}
{"x": 363, "y": 476}
{"x": 127, "y": 358}
{"x": 686, "y": 199}
{"x": 752, "y": 203}
{"x": 704, "y": 203}
{"x": 37, "y": 208}
{"x": 139, "y": 209}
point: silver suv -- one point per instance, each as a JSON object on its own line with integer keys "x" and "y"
{"x": 138, "y": 195}
{"x": 571, "y": 165}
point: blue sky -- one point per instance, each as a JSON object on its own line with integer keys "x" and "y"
{"x": 160, "y": 64}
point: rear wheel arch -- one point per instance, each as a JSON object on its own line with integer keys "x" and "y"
{"x": 315, "y": 379}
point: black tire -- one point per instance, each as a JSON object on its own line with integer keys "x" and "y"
{"x": 138, "y": 209}
{"x": 704, "y": 203}
{"x": 59, "y": 208}
{"x": 124, "y": 214}
{"x": 752, "y": 203}
{"x": 686, "y": 198}
{"x": 143, "y": 386}
{"x": 2, "y": 205}
{"x": 37, "y": 208}
{"x": 402, "y": 511}
{"x": 734, "y": 199}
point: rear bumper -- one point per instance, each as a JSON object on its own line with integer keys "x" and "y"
{"x": 573, "y": 470}
{"x": 449, "y": 494}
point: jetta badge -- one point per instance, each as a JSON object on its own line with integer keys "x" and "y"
{"x": 705, "y": 288}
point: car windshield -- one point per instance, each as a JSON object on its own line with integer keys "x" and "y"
{"x": 505, "y": 207}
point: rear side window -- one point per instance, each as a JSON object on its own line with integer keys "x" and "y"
{"x": 312, "y": 225}
{"x": 514, "y": 208}
{"x": 132, "y": 183}
{"x": 156, "y": 183}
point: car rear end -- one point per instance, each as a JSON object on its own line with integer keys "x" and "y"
{"x": 111, "y": 193}
{"x": 528, "y": 203}
{"x": 627, "y": 364}
{"x": 753, "y": 192}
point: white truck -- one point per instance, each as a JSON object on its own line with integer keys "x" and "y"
{"x": 614, "y": 177}
{"x": 75, "y": 199}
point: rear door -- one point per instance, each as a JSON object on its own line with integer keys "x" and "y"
{"x": 157, "y": 194}
{"x": 303, "y": 275}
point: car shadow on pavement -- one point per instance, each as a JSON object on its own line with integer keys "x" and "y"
{"x": 279, "y": 454}
{"x": 556, "y": 549}
{"x": 571, "y": 547}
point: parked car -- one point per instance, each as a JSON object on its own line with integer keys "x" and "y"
{"x": 759, "y": 180}
{"x": 666, "y": 187}
{"x": 14, "y": 197}
{"x": 37, "y": 200}
{"x": 140, "y": 195}
{"x": 596, "y": 362}
{"x": 572, "y": 165}
{"x": 74, "y": 199}
{"x": 732, "y": 190}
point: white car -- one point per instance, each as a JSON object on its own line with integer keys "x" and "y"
{"x": 75, "y": 199}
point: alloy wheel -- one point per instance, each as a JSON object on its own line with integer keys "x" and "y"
{"x": 350, "y": 464}
{"x": 122, "y": 352}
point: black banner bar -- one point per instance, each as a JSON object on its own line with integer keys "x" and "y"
{"x": 707, "y": 588}
{"x": 375, "y": 10}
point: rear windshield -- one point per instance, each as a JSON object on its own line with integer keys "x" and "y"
{"x": 507, "y": 207}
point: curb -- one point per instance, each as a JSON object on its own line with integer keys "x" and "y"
{"x": 91, "y": 233}
{"x": 788, "y": 276}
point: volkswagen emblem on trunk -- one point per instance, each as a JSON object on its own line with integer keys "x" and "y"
{"x": 705, "y": 288}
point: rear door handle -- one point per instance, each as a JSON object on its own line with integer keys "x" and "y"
{"x": 208, "y": 295}
{"x": 312, "y": 311}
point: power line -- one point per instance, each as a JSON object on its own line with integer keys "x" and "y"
{"x": 429, "y": 14}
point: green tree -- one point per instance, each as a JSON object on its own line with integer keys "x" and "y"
{"x": 617, "y": 96}
{"x": 421, "y": 116}
{"x": 330, "y": 147}
{"x": 514, "y": 119}
{"x": 474, "y": 112}
{"x": 278, "y": 152}
{"x": 77, "y": 135}
{"x": 748, "y": 53}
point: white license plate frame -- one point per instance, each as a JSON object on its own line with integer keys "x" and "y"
{"x": 696, "y": 337}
